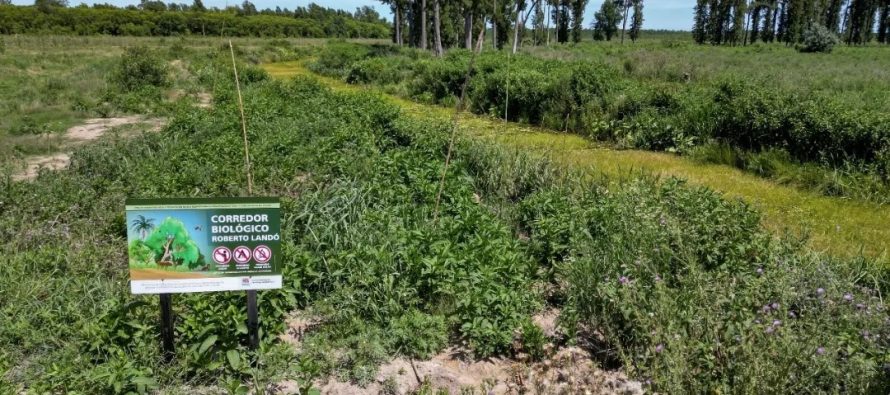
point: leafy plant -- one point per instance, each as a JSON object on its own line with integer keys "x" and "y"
{"x": 818, "y": 39}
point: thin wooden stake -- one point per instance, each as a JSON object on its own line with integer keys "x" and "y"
{"x": 253, "y": 322}
{"x": 243, "y": 123}
{"x": 454, "y": 120}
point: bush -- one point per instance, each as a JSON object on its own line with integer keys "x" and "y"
{"x": 690, "y": 294}
{"x": 140, "y": 67}
{"x": 337, "y": 57}
{"x": 377, "y": 70}
{"x": 818, "y": 39}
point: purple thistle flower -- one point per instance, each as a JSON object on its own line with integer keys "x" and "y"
{"x": 657, "y": 278}
{"x": 848, "y": 297}
{"x": 757, "y": 321}
{"x": 775, "y": 306}
{"x": 820, "y": 351}
{"x": 820, "y": 291}
{"x": 792, "y": 315}
{"x": 765, "y": 309}
{"x": 760, "y": 271}
{"x": 769, "y": 329}
{"x": 659, "y": 348}
{"x": 623, "y": 280}
{"x": 865, "y": 335}
{"x": 860, "y": 306}
{"x": 777, "y": 322}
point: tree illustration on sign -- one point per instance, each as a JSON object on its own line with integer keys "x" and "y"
{"x": 143, "y": 225}
{"x": 171, "y": 244}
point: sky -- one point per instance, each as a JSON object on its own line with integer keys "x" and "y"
{"x": 659, "y": 14}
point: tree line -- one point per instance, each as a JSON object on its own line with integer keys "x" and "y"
{"x": 156, "y": 18}
{"x": 742, "y": 21}
{"x": 441, "y": 24}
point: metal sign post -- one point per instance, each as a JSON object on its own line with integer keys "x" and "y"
{"x": 253, "y": 324}
{"x": 168, "y": 348}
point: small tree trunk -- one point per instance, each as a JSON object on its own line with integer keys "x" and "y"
{"x": 167, "y": 256}
{"x": 548, "y": 23}
{"x": 494, "y": 25}
{"x": 438, "y": 26}
{"x": 423, "y": 29}
{"x": 516, "y": 28}
{"x": 556, "y": 24}
{"x": 468, "y": 30}
{"x": 624, "y": 22}
{"x": 398, "y": 23}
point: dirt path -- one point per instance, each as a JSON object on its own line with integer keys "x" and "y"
{"x": 90, "y": 130}
{"x": 838, "y": 226}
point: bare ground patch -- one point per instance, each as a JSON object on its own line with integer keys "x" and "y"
{"x": 90, "y": 130}
{"x": 566, "y": 370}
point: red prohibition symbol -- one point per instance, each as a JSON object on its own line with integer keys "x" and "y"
{"x": 262, "y": 254}
{"x": 222, "y": 255}
{"x": 241, "y": 254}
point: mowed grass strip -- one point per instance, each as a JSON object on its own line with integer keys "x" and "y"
{"x": 837, "y": 226}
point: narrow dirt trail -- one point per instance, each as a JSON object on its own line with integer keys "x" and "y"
{"x": 89, "y": 130}
{"x": 838, "y": 226}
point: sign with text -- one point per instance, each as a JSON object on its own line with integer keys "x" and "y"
{"x": 203, "y": 245}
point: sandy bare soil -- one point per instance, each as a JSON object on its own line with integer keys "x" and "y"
{"x": 90, "y": 130}
{"x": 568, "y": 370}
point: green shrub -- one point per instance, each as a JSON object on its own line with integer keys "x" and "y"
{"x": 337, "y": 57}
{"x": 378, "y": 70}
{"x": 818, "y": 39}
{"x": 693, "y": 296}
{"x": 140, "y": 67}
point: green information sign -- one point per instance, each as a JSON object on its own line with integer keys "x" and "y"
{"x": 203, "y": 245}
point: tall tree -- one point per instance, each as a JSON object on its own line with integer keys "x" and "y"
{"x": 861, "y": 21}
{"x": 884, "y": 23}
{"x": 700, "y": 23}
{"x": 539, "y": 24}
{"x": 739, "y": 10}
{"x": 625, "y": 8}
{"x": 578, "y": 18}
{"x": 767, "y": 32}
{"x": 755, "y": 11}
{"x": 561, "y": 19}
{"x": 636, "y": 23}
{"x": 519, "y": 25}
{"x": 423, "y": 28}
{"x": 832, "y": 14}
{"x": 198, "y": 6}
{"x": 437, "y": 25}
{"x": 47, "y": 6}
{"x": 606, "y": 20}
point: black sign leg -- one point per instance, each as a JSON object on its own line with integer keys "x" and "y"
{"x": 167, "y": 327}
{"x": 253, "y": 324}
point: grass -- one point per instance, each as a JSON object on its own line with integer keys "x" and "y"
{"x": 837, "y": 226}
{"x": 51, "y": 83}
{"x": 859, "y": 76}
{"x": 681, "y": 288}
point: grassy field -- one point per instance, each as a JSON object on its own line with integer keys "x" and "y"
{"x": 859, "y": 76}
{"x": 668, "y": 282}
{"x": 52, "y": 83}
{"x": 837, "y": 226}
